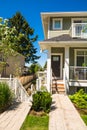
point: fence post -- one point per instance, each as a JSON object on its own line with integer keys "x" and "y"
{"x": 37, "y": 84}
{"x": 31, "y": 87}
{"x": 15, "y": 85}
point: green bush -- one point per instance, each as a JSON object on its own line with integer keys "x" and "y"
{"x": 42, "y": 101}
{"x": 6, "y": 96}
{"x": 79, "y": 99}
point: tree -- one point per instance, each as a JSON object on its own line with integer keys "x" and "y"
{"x": 26, "y": 38}
{"x": 7, "y": 39}
{"x": 34, "y": 68}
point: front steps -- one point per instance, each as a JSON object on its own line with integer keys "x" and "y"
{"x": 58, "y": 87}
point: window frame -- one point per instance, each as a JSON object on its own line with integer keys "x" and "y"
{"x": 61, "y": 25}
{"x": 76, "y": 50}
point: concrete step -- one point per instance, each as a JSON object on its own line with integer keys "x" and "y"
{"x": 58, "y": 88}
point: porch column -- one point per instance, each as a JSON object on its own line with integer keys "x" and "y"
{"x": 48, "y": 69}
{"x": 67, "y": 67}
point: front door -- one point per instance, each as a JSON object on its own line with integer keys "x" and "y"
{"x": 56, "y": 65}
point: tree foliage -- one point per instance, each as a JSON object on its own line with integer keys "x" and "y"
{"x": 7, "y": 38}
{"x": 26, "y": 38}
{"x": 34, "y": 68}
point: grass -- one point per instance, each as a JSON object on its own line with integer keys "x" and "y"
{"x": 33, "y": 122}
{"x": 84, "y": 117}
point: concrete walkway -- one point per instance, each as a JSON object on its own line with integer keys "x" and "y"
{"x": 13, "y": 118}
{"x": 63, "y": 115}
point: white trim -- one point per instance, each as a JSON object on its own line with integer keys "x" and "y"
{"x": 73, "y": 19}
{"x": 48, "y": 69}
{"x": 75, "y": 54}
{"x": 48, "y": 26}
{"x": 59, "y": 19}
{"x": 61, "y": 63}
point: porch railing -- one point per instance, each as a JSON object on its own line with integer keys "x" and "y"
{"x": 20, "y": 93}
{"x": 78, "y": 73}
{"x": 79, "y": 30}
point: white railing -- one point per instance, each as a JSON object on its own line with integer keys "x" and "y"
{"x": 20, "y": 93}
{"x": 41, "y": 80}
{"x": 79, "y": 30}
{"x": 78, "y": 73}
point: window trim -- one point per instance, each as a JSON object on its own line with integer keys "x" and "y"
{"x": 61, "y": 25}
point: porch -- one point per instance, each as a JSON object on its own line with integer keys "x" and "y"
{"x": 77, "y": 80}
{"x": 66, "y": 68}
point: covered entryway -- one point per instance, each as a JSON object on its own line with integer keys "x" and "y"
{"x": 56, "y": 66}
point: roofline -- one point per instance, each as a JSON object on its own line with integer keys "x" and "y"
{"x": 78, "y": 13}
{"x": 48, "y": 42}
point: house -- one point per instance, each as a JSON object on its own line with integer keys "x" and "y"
{"x": 13, "y": 65}
{"x": 66, "y": 41}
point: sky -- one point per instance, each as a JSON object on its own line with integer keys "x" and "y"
{"x": 31, "y": 10}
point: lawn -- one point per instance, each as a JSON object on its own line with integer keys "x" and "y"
{"x": 33, "y": 122}
{"x": 84, "y": 117}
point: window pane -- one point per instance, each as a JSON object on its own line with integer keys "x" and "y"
{"x": 78, "y": 30}
{"x": 80, "y": 52}
{"x": 80, "y": 60}
{"x": 57, "y": 24}
{"x": 55, "y": 58}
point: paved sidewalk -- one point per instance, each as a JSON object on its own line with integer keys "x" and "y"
{"x": 63, "y": 115}
{"x": 13, "y": 118}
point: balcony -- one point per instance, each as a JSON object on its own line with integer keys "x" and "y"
{"x": 79, "y": 30}
{"x": 78, "y": 73}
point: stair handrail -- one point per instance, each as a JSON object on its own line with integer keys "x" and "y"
{"x": 20, "y": 92}
{"x": 55, "y": 79}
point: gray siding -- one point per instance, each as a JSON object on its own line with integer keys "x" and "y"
{"x": 66, "y": 23}
{"x": 71, "y": 56}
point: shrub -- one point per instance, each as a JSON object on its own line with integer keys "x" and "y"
{"x": 79, "y": 99}
{"x": 6, "y": 96}
{"x": 42, "y": 101}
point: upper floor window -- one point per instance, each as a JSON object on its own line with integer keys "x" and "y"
{"x": 57, "y": 23}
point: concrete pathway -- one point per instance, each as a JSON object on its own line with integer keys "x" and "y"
{"x": 13, "y": 118}
{"x": 63, "y": 115}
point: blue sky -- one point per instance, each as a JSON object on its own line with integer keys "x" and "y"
{"x": 31, "y": 10}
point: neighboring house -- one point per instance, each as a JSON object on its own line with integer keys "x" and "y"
{"x": 66, "y": 42}
{"x": 14, "y": 65}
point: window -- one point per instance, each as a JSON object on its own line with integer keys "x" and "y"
{"x": 81, "y": 57}
{"x": 79, "y": 25}
{"x": 55, "y": 58}
{"x": 57, "y": 23}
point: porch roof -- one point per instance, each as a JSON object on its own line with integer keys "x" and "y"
{"x": 65, "y": 37}
{"x": 62, "y": 41}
